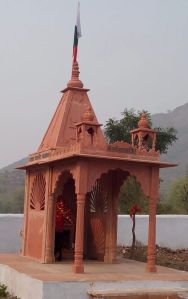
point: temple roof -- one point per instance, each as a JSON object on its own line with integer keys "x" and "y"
{"x": 72, "y": 107}
{"x": 74, "y": 131}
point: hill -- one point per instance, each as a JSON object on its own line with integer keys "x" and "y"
{"x": 11, "y": 188}
{"x": 178, "y": 153}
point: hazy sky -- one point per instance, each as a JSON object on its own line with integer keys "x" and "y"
{"x": 133, "y": 53}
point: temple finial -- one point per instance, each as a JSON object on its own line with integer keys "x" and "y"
{"x": 75, "y": 81}
{"x": 143, "y": 122}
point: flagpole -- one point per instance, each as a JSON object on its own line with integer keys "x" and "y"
{"x": 77, "y": 34}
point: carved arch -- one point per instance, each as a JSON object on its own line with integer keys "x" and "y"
{"x": 97, "y": 175}
{"x": 121, "y": 176}
{"x": 143, "y": 178}
{"x": 61, "y": 173}
{"x": 62, "y": 178}
{"x": 100, "y": 206}
{"x": 142, "y": 173}
{"x": 102, "y": 203}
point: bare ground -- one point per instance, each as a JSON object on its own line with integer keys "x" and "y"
{"x": 177, "y": 259}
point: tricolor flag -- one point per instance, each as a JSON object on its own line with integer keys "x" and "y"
{"x": 77, "y": 34}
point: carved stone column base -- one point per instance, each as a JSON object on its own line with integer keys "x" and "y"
{"x": 114, "y": 260}
{"x": 106, "y": 259}
{"x": 150, "y": 268}
{"x": 78, "y": 268}
{"x": 49, "y": 260}
{"x": 109, "y": 260}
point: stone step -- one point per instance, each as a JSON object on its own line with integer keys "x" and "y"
{"x": 140, "y": 293}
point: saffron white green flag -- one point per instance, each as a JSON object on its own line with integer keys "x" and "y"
{"x": 77, "y": 34}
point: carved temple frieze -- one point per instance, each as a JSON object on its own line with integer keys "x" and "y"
{"x": 54, "y": 154}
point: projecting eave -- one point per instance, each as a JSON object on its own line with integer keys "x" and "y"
{"x": 75, "y": 89}
{"x": 138, "y": 159}
{"x": 167, "y": 164}
{"x": 22, "y": 167}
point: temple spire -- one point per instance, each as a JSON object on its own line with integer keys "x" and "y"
{"x": 75, "y": 81}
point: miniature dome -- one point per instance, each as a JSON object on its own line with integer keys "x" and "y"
{"x": 143, "y": 122}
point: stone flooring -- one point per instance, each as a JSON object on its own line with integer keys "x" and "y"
{"x": 123, "y": 270}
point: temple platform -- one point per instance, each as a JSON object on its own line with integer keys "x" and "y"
{"x": 28, "y": 279}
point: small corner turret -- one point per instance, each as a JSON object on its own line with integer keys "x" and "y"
{"x": 87, "y": 129}
{"x": 144, "y": 138}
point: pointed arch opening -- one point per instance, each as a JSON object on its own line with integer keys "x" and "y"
{"x": 102, "y": 207}
{"x": 65, "y": 217}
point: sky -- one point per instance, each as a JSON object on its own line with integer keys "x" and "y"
{"x": 132, "y": 54}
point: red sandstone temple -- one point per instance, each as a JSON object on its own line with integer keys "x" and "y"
{"x": 73, "y": 182}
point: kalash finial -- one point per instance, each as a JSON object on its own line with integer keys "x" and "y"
{"x": 75, "y": 81}
{"x": 143, "y": 122}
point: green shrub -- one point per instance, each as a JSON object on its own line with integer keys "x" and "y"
{"x": 3, "y": 291}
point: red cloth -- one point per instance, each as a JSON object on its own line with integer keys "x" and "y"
{"x": 59, "y": 221}
{"x": 135, "y": 208}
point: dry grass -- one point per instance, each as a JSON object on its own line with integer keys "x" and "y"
{"x": 177, "y": 259}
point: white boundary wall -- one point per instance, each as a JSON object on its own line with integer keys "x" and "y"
{"x": 171, "y": 231}
{"x": 10, "y": 226}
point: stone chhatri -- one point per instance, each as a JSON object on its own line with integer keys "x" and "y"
{"x": 76, "y": 172}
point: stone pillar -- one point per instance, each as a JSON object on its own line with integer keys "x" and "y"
{"x": 78, "y": 266}
{"x": 108, "y": 239}
{"x": 111, "y": 223}
{"x": 23, "y": 233}
{"x": 114, "y": 230}
{"x": 108, "y": 230}
{"x": 151, "y": 255}
{"x": 50, "y": 230}
{"x": 111, "y": 236}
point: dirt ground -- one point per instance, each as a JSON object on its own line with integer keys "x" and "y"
{"x": 177, "y": 259}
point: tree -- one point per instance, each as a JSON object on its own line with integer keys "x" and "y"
{"x": 119, "y": 130}
{"x": 177, "y": 196}
{"x": 131, "y": 194}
